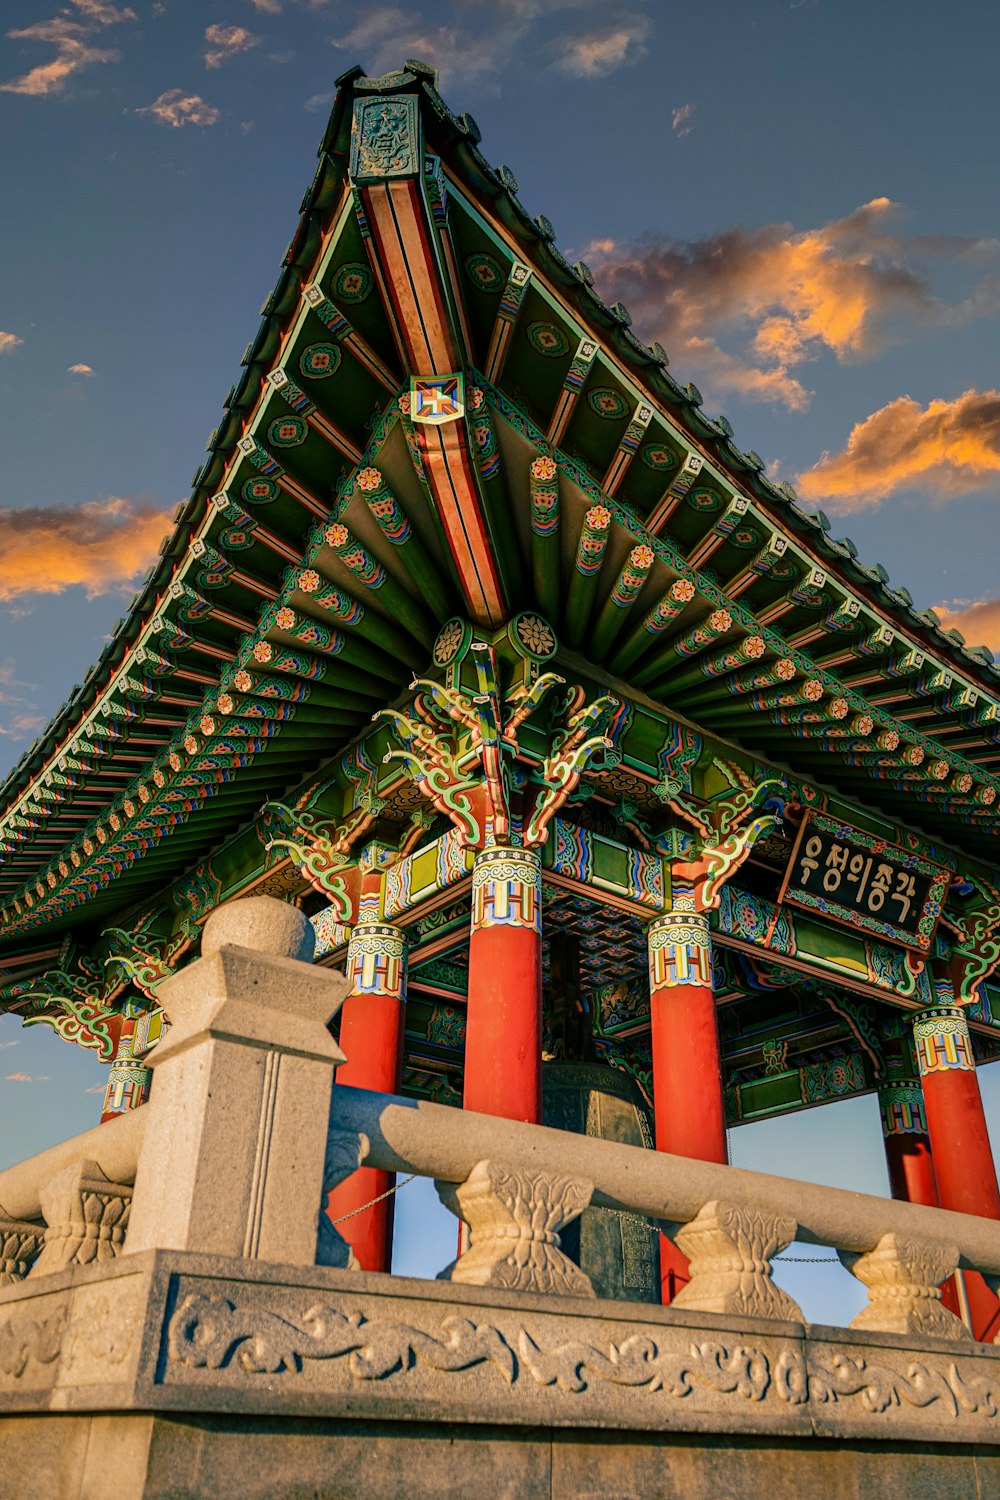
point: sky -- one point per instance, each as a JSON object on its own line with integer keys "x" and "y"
{"x": 797, "y": 198}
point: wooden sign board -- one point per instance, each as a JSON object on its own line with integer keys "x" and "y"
{"x": 862, "y": 881}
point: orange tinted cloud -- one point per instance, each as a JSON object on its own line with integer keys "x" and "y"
{"x": 227, "y": 41}
{"x": 74, "y": 48}
{"x": 597, "y": 53}
{"x": 978, "y": 620}
{"x": 100, "y": 546}
{"x": 745, "y": 309}
{"x": 945, "y": 448}
{"x": 176, "y": 109}
{"x": 9, "y": 341}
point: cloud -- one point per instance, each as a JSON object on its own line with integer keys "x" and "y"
{"x": 97, "y": 1088}
{"x": 977, "y": 619}
{"x": 600, "y": 52}
{"x": 27, "y": 1078}
{"x": 227, "y": 41}
{"x": 945, "y": 448}
{"x": 316, "y": 102}
{"x": 81, "y": 370}
{"x": 746, "y": 308}
{"x": 477, "y": 41}
{"x": 102, "y": 13}
{"x": 9, "y": 341}
{"x": 100, "y": 545}
{"x": 74, "y": 48}
{"x": 5, "y": 1045}
{"x": 270, "y": 7}
{"x": 175, "y": 108}
{"x": 679, "y": 119}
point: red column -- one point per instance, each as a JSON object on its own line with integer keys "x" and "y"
{"x": 689, "y": 1108}
{"x": 129, "y": 1078}
{"x": 963, "y": 1159}
{"x": 907, "y": 1144}
{"x": 371, "y": 1038}
{"x": 503, "y": 1036}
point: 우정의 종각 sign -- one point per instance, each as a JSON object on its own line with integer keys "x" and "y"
{"x": 863, "y": 881}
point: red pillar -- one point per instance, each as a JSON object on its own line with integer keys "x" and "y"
{"x": 956, "y": 1124}
{"x": 907, "y": 1144}
{"x": 129, "y": 1078}
{"x": 503, "y": 1036}
{"x": 371, "y": 1038}
{"x": 689, "y": 1108}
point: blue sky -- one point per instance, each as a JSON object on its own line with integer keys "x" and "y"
{"x": 797, "y": 197}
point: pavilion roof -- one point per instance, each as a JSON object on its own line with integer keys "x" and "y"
{"x": 257, "y": 647}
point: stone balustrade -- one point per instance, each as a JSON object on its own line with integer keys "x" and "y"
{"x": 517, "y": 1185}
{"x": 233, "y": 1156}
{"x": 178, "y": 1307}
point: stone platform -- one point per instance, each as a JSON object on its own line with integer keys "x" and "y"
{"x": 172, "y": 1374}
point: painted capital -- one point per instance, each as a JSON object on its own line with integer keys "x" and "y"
{"x": 901, "y": 1106}
{"x": 942, "y": 1042}
{"x": 376, "y": 960}
{"x": 680, "y": 950}
{"x": 507, "y": 888}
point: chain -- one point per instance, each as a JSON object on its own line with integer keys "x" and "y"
{"x": 388, "y": 1194}
{"x": 811, "y": 1260}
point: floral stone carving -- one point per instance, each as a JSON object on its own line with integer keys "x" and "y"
{"x": 730, "y": 1251}
{"x": 85, "y": 1216}
{"x": 903, "y": 1276}
{"x": 20, "y": 1246}
{"x": 515, "y": 1218}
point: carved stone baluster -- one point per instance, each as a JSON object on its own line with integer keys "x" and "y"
{"x": 20, "y": 1246}
{"x": 85, "y": 1218}
{"x": 903, "y": 1276}
{"x": 515, "y": 1218}
{"x": 345, "y": 1152}
{"x": 730, "y": 1251}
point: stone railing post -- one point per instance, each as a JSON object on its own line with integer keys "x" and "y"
{"x": 903, "y": 1275}
{"x": 86, "y": 1218}
{"x": 234, "y": 1152}
{"x": 730, "y": 1250}
{"x": 20, "y": 1247}
{"x": 515, "y": 1218}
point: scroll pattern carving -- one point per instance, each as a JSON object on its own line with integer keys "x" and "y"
{"x": 903, "y": 1277}
{"x": 638, "y": 1362}
{"x": 515, "y": 1218}
{"x": 730, "y": 1251}
{"x": 25, "y": 1337}
{"x": 85, "y": 1215}
{"x": 208, "y": 1332}
{"x": 213, "y": 1333}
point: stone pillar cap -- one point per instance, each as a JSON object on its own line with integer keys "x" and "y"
{"x": 262, "y": 923}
